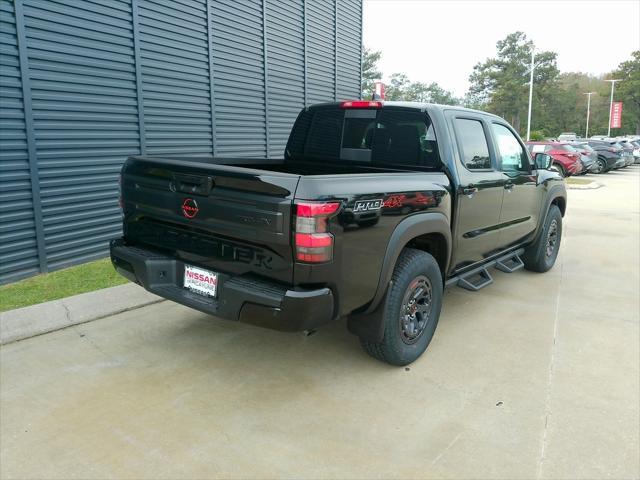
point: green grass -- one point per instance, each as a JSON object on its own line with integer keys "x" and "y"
{"x": 578, "y": 181}
{"x": 62, "y": 283}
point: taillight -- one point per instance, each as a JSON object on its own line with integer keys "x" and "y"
{"x": 361, "y": 104}
{"x": 314, "y": 244}
{"x": 613, "y": 150}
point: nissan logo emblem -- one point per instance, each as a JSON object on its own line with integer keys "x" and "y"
{"x": 189, "y": 208}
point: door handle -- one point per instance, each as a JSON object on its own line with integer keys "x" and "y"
{"x": 508, "y": 186}
{"x": 470, "y": 191}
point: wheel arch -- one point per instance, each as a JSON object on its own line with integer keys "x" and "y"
{"x": 430, "y": 232}
{"x": 560, "y": 202}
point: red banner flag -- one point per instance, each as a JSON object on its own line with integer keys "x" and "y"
{"x": 616, "y": 115}
{"x": 378, "y": 93}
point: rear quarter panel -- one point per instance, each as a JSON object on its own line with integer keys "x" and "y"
{"x": 362, "y": 236}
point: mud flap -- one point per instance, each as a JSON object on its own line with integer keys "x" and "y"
{"x": 370, "y": 326}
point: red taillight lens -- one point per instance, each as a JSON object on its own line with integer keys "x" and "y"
{"x": 312, "y": 241}
{"x": 361, "y": 104}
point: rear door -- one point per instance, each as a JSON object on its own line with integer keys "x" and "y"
{"x": 479, "y": 196}
{"x": 522, "y": 196}
{"x": 224, "y": 218}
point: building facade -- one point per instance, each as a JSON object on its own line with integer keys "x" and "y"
{"x": 85, "y": 83}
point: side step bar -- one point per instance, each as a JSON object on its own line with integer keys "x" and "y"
{"x": 480, "y": 277}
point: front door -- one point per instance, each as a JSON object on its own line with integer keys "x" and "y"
{"x": 521, "y": 201}
{"x": 480, "y": 193}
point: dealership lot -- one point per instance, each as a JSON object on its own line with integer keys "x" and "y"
{"x": 536, "y": 376}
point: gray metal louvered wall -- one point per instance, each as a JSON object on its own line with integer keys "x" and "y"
{"x": 84, "y": 84}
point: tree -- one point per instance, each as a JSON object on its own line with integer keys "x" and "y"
{"x": 370, "y": 71}
{"x": 396, "y": 88}
{"x": 628, "y": 92}
{"x": 501, "y": 84}
{"x": 401, "y": 88}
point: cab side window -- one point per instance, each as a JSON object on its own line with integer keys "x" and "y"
{"x": 513, "y": 157}
{"x": 472, "y": 143}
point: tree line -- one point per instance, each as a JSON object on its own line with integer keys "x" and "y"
{"x": 500, "y": 85}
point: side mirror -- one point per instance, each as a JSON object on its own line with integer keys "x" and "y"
{"x": 543, "y": 161}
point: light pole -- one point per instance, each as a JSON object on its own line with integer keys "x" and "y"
{"x": 588, "y": 94}
{"x": 613, "y": 84}
{"x": 533, "y": 52}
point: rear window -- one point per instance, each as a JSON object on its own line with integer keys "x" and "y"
{"x": 391, "y": 137}
{"x": 567, "y": 148}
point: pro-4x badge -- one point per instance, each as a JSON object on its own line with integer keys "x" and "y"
{"x": 367, "y": 205}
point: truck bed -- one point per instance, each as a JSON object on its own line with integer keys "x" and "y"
{"x": 281, "y": 166}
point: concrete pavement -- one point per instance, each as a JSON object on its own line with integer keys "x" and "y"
{"x": 536, "y": 376}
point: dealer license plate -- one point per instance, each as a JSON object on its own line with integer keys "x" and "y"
{"x": 200, "y": 281}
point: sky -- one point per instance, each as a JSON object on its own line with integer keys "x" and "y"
{"x": 441, "y": 40}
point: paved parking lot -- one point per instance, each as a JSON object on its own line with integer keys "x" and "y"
{"x": 536, "y": 376}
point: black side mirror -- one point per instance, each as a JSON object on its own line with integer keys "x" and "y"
{"x": 543, "y": 161}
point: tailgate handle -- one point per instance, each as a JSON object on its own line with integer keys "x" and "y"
{"x": 193, "y": 184}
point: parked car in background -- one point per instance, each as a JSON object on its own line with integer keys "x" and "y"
{"x": 625, "y": 152}
{"x": 609, "y": 157}
{"x": 636, "y": 151}
{"x": 567, "y": 137}
{"x": 565, "y": 158}
{"x": 629, "y": 147}
{"x": 588, "y": 157}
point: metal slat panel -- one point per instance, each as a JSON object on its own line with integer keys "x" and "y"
{"x": 320, "y": 51}
{"x": 103, "y": 79}
{"x": 238, "y": 66}
{"x": 349, "y": 30}
{"x": 285, "y": 64}
{"x": 175, "y": 77}
{"x": 85, "y": 113}
{"x": 18, "y": 249}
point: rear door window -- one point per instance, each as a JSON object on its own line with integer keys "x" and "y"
{"x": 472, "y": 143}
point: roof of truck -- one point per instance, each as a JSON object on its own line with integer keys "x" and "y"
{"x": 414, "y": 105}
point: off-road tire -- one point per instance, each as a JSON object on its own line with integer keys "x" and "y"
{"x": 539, "y": 257}
{"x": 414, "y": 267}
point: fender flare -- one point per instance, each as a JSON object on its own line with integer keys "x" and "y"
{"x": 557, "y": 191}
{"x": 369, "y": 324}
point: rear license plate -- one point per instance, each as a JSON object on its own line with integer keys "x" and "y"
{"x": 200, "y": 281}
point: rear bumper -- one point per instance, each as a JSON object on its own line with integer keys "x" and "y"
{"x": 239, "y": 298}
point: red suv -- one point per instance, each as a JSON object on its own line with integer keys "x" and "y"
{"x": 565, "y": 158}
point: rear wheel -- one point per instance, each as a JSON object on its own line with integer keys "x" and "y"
{"x": 411, "y": 311}
{"x": 602, "y": 163}
{"x": 541, "y": 255}
{"x": 599, "y": 166}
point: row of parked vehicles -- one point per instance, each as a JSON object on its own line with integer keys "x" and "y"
{"x": 573, "y": 155}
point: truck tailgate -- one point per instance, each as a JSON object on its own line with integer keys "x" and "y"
{"x": 224, "y": 218}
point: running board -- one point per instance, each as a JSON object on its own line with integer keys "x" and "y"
{"x": 511, "y": 264}
{"x": 480, "y": 277}
{"x": 476, "y": 280}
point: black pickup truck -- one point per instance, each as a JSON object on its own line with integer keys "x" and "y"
{"x": 374, "y": 209}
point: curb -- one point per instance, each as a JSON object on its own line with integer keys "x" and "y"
{"x": 588, "y": 186}
{"x": 50, "y": 316}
